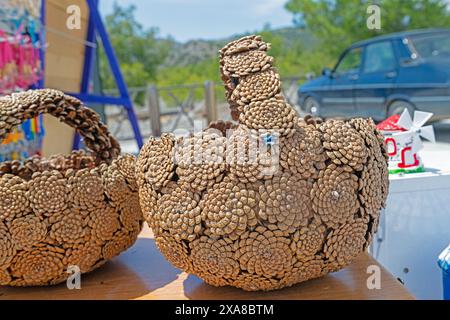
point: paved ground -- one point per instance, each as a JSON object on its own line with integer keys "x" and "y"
{"x": 437, "y": 155}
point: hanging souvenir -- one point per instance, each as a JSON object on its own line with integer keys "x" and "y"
{"x": 20, "y": 69}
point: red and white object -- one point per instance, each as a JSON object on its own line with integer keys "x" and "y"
{"x": 403, "y": 139}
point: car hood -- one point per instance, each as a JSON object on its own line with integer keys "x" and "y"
{"x": 317, "y": 82}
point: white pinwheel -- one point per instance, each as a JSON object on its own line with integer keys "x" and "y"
{"x": 415, "y": 129}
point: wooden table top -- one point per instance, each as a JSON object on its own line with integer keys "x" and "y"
{"x": 143, "y": 273}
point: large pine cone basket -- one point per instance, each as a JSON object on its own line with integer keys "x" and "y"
{"x": 292, "y": 199}
{"x": 79, "y": 210}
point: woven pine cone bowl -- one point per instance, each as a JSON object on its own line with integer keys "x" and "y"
{"x": 64, "y": 211}
{"x": 267, "y": 202}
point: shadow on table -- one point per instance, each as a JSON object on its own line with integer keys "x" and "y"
{"x": 195, "y": 288}
{"x": 432, "y": 170}
{"x": 134, "y": 273}
{"x": 347, "y": 283}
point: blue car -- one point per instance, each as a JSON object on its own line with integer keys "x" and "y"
{"x": 381, "y": 76}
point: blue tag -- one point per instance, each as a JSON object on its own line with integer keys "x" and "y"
{"x": 269, "y": 139}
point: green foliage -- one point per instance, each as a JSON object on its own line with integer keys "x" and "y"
{"x": 323, "y": 28}
{"x": 189, "y": 74}
{"x": 293, "y": 55}
{"x": 338, "y": 23}
{"x": 145, "y": 57}
{"x": 138, "y": 51}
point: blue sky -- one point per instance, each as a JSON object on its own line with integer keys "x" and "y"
{"x": 205, "y": 19}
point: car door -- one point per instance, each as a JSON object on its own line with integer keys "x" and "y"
{"x": 376, "y": 80}
{"x": 339, "y": 100}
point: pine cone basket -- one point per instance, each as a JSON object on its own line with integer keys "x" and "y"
{"x": 271, "y": 201}
{"x": 79, "y": 209}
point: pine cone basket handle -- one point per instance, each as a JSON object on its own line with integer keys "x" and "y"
{"x": 18, "y": 107}
{"x": 78, "y": 209}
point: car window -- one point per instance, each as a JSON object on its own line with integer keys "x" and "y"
{"x": 379, "y": 57}
{"x": 432, "y": 45}
{"x": 350, "y": 62}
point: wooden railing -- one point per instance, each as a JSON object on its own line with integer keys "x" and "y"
{"x": 165, "y": 109}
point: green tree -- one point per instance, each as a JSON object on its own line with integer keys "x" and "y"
{"x": 139, "y": 51}
{"x": 338, "y": 23}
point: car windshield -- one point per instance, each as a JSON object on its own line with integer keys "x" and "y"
{"x": 350, "y": 62}
{"x": 430, "y": 46}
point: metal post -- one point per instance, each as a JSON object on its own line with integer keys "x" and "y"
{"x": 210, "y": 101}
{"x": 42, "y": 42}
{"x": 153, "y": 107}
{"x": 115, "y": 68}
{"x": 88, "y": 56}
{"x": 87, "y": 71}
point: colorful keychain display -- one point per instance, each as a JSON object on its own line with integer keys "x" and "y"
{"x": 20, "y": 69}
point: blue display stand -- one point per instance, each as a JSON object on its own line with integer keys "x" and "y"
{"x": 97, "y": 28}
{"x": 444, "y": 264}
{"x": 446, "y": 283}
